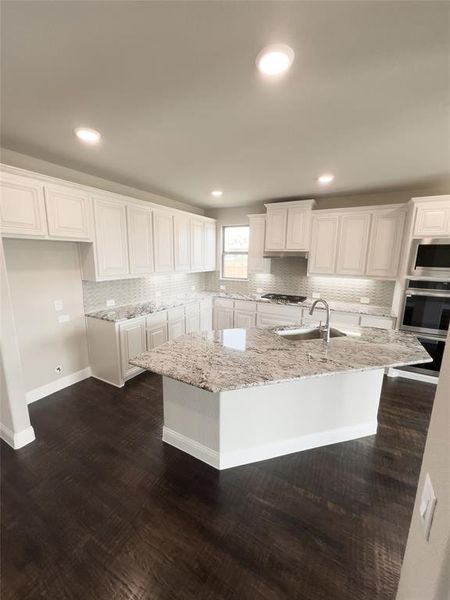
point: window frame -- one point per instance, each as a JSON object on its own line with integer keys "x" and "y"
{"x": 223, "y": 253}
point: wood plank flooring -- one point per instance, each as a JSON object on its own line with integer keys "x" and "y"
{"x": 98, "y": 508}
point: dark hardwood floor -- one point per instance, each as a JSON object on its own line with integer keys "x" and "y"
{"x": 99, "y": 508}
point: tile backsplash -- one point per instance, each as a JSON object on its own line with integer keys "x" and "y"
{"x": 129, "y": 291}
{"x": 288, "y": 275}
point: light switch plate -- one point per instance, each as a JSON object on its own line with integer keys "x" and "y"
{"x": 58, "y": 304}
{"x": 193, "y": 288}
{"x": 259, "y": 290}
{"x": 316, "y": 295}
{"x": 427, "y": 505}
{"x": 223, "y": 287}
{"x": 111, "y": 302}
{"x": 157, "y": 294}
{"x": 63, "y": 318}
{"x": 364, "y": 300}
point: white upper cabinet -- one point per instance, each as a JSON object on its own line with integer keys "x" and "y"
{"x": 298, "y": 228}
{"x": 256, "y": 261}
{"x": 197, "y": 244}
{"x": 210, "y": 246}
{"x": 352, "y": 245}
{"x": 163, "y": 241}
{"x": 276, "y": 228}
{"x": 385, "y": 242}
{"x": 182, "y": 242}
{"x": 432, "y": 217}
{"x": 68, "y": 212}
{"x": 140, "y": 239}
{"x": 110, "y": 238}
{"x": 22, "y": 208}
{"x": 324, "y": 237}
{"x": 288, "y": 226}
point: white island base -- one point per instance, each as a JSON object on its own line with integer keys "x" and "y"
{"x": 230, "y": 428}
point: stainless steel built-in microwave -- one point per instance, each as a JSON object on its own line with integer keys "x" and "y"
{"x": 430, "y": 257}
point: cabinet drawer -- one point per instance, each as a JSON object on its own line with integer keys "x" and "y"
{"x": 245, "y": 305}
{"x": 264, "y": 320}
{"x": 224, "y": 303}
{"x": 175, "y": 314}
{"x": 373, "y": 321}
{"x": 156, "y": 319}
{"x": 279, "y": 311}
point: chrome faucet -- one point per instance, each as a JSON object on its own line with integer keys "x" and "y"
{"x": 326, "y": 331}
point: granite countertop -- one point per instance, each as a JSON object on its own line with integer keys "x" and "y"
{"x": 238, "y": 358}
{"x": 140, "y": 309}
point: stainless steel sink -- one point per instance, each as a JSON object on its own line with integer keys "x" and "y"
{"x": 307, "y": 333}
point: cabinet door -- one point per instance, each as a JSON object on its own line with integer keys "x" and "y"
{"x": 353, "y": 242}
{"x": 182, "y": 243}
{"x": 132, "y": 343}
{"x": 276, "y": 229}
{"x": 385, "y": 243}
{"x": 244, "y": 319}
{"x": 193, "y": 322}
{"x": 68, "y": 213}
{"x": 298, "y": 228}
{"x": 156, "y": 336}
{"x": 111, "y": 238}
{"x": 210, "y": 246}
{"x": 163, "y": 241}
{"x": 223, "y": 318}
{"x": 197, "y": 245}
{"x": 432, "y": 221}
{"x": 176, "y": 329}
{"x": 265, "y": 320}
{"x": 324, "y": 236}
{"x": 140, "y": 239}
{"x": 256, "y": 261}
{"x": 206, "y": 318}
{"x": 22, "y": 209}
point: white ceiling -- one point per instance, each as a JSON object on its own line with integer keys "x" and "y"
{"x": 174, "y": 90}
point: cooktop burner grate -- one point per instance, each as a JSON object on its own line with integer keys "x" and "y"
{"x": 284, "y": 298}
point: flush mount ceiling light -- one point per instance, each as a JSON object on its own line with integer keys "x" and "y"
{"x": 275, "y": 59}
{"x": 87, "y": 135}
{"x": 325, "y": 178}
{"x": 216, "y": 193}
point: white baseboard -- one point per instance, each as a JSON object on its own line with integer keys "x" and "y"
{"x": 58, "y": 384}
{"x": 244, "y": 456}
{"x": 19, "y": 439}
{"x": 107, "y": 381}
{"x": 413, "y": 375}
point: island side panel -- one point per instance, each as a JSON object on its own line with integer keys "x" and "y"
{"x": 262, "y": 422}
{"x": 191, "y": 420}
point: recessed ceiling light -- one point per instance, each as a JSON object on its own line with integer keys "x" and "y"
{"x": 325, "y": 178}
{"x": 275, "y": 59}
{"x": 216, "y": 193}
{"x": 90, "y": 136}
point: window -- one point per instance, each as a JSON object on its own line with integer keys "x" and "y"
{"x": 235, "y": 252}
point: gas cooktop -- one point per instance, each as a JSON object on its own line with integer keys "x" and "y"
{"x": 284, "y": 298}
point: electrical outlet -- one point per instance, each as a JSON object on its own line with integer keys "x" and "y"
{"x": 111, "y": 302}
{"x": 364, "y": 300}
{"x": 259, "y": 290}
{"x": 193, "y": 288}
{"x": 63, "y": 318}
{"x": 316, "y": 295}
{"x": 223, "y": 287}
{"x": 427, "y": 506}
{"x": 157, "y": 294}
{"x": 58, "y": 369}
{"x": 58, "y": 304}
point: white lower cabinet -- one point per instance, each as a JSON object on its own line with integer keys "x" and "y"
{"x": 206, "y": 320}
{"x": 244, "y": 320}
{"x": 176, "y": 322}
{"x": 273, "y": 315}
{"x": 375, "y": 321}
{"x": 192, "y": 318}
{"x": 156, "y": 329}
{"x": 223, "y": 318}
{"x": 133, "y": 341}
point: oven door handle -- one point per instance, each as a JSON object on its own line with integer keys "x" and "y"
{"x": 410, "y": 293}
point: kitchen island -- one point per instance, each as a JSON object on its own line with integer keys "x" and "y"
{"x": 237, "y": 396}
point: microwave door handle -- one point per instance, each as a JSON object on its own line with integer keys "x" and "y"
{"x": 431, "y": 294}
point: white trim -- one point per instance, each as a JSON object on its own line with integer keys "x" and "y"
{"x": 190, "y": 446}
{"x": 19, "y": 439}
{"x": 413, "y": 375}
{"x": 109, "y": 382}
{"x": 226, "y": 460}
{"x": 58, "y": 384}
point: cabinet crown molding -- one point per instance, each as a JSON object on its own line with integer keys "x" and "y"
{"x": 291, "y": 203}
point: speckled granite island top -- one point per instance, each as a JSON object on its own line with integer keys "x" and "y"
{"x": 237, "y": 358}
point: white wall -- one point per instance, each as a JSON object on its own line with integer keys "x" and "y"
{"x": 40, "y": 272}
{"x": 15, "y": 425}
{"x": 426, "y": 566}
{"x": 23, "y": 161}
